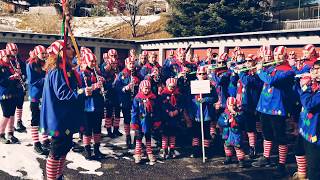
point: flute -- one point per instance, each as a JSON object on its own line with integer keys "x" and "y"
{"x": 264, "y": 65}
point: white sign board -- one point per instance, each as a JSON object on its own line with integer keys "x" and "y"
{"x": 200, "y": 87}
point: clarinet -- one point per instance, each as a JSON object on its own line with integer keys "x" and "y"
{"x": 22, "y": 83}
{"x": 102, "y": 91}
{"x": 132, "y": 81}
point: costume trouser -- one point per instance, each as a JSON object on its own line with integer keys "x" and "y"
{"x": 313, "y": 160}
{"x": 250, "y": 126}
{"x": 196, "y": 138}
{"x": 139, "y": 136}
{"x": 110, "y": 108}
{"x": 35, "y": 121}
{"x": 300, "y": 155}
{"x": 20, "y": 101}
{"x": 126, "y": 111}
{"x": 169, "y": 132}
{"x": 8, "y": 107}
{"x": 92, "y": 127}
{"x": 274, "y": 130}
{"x": 60, "y": 146}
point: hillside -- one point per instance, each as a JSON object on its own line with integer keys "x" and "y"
{"x": 150, "y": 27}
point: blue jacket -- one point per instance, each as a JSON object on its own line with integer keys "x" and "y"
{"x": 232, "y": 134}
{"x": 109, "y": 85}
{"x": 232, "y": 88}
{"x": 93, "y": 103}
{"x": 141, "y": 117}
{"x": 8, "y": 88}
{"x": 62, "y": 107}
{"x": 221, "y": 80}
{"x": 147, "y": 68}
{"x": 35, "y": 78}
{"x": 207, "y": 106}
{"x": 126, "y": 96}
{"x": 250, "y": 91}
{"x": 273, "y": 98}
{"x": 309, "y": 124}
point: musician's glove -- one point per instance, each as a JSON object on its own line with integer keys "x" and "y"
{"x": 14, "y": 76}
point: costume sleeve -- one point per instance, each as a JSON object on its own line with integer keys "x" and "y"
{"x": 222, "y": 121}
{"x": 32, "y": 77}
{"x": 60, "y": 87}
{"x": 280, "y": 75}
{"x": 309, "y": 100}
{"x": 135, "y": 112}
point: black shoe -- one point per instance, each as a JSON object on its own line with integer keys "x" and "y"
{"x": 110, "y": 134}
{"x": 280, "y": 171}
{"x": 38, "y": 149}
{"x": 128, "y": 142}
{"x": 3, "y": 139}
{"x": 60, "y": 177}
{"x": 252, "y": 153}
{"x": 227, "y": 161}
{"x": 116, "y": 132}
{"x": 46, "y": 144}
{"x": 88, "y": 152}
{"x": 196, "y": 152}
{"x": 262, "y": 162}
{"x": 171, "y": 154}
{"x": 241, "y": 164}
{"x": 13, "y": 139}
{"x": 97, "y": 153}
{"x": 20, "y": 127}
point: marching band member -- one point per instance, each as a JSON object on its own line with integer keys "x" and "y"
{"x": 126, "y": 84}
{"x": 209, "y": 59}
{"x": 144, "y": 118}
{"x": 153, "y": 62}
{"x": 94, "y": 105}
{"x": 8, "y": 94}
{"x": 309, "y": 122}
{"x": 249, "y": 88}
{"x": 171, "y": 104}
{"x": 62, "y": 108}
{"x": 110, "y": 70}
{"x": 20, "y": 66}
{"x": 143, "y": 59}
{"x": 35, "y": 78}
{"x": 167, "y": 70}
{"x": 207, "y": 101}
{"x": 231, "y": 122}
{"x": 310, "y": 53}
{"x": 273, "y": 108}
{"x": 221, "y": 79}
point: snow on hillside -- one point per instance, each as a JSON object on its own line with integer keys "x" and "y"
{"x": 83, "y": 26}
{"x": 87, "y": 26}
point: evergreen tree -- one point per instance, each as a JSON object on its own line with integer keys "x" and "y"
{"x": 191, "y": 17}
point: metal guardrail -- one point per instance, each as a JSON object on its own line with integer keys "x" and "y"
{"x": 301, "y": 24}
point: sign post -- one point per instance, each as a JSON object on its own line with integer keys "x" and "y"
{"x": 201, "y": 87}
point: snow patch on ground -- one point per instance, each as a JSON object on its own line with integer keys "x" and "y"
{"x": 87, "y": 26}
{"x": 20, "y": 159}
{"x": 78, "y": 161}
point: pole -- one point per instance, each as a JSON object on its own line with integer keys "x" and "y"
{"x": 299, "y": 10}
{"x": 202, "y": 132}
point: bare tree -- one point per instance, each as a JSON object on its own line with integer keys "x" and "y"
{"x": 132, "y": 9}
